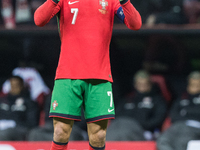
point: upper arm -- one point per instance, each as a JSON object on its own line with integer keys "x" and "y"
{"x": 120, "y": 14}
{"x": 118, "y": 11}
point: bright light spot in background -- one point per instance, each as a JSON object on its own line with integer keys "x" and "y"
{"x": 6, "y": 147}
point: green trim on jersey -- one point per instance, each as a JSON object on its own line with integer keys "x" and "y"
{"x": 58, "y": 21}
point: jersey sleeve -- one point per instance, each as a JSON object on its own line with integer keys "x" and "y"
{"x": 128, "y": 14}
{"x": 46, "y": 11}
{"x": 120, "y": 14}
{"x": 132, "y": 18}
{"x": 118, "y": 11}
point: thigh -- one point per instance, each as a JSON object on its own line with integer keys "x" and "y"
{"x": 98, "y": 101}
{"x": 67, "y": 99}
{"x": 62, "y": 129}
{"x": 65, "y": 124}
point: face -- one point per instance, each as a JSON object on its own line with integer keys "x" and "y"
{"x": 193, "y": 86}
{"x": 16, "y": 86}
{"x": 142, "y": 85}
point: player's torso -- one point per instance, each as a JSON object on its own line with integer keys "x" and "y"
{"x": 88, "y": 16}
{"x": 86, "y": 29}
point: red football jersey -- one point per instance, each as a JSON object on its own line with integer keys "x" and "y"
{"x": 85, "y": 31}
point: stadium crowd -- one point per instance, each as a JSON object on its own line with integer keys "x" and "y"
{"x": 20, "y": 12}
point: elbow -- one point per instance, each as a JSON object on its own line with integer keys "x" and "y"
{"x": 137, "y": 26}
{"x": 38, "y": 20}
{"x": 134, "y": 24}
{"x": 39, "y": 23}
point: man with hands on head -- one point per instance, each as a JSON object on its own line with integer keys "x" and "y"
{"x": 83, "y": 76}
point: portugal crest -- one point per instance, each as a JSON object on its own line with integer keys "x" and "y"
{"x": 103, "y": 4}
{"x": 54, "y": 105}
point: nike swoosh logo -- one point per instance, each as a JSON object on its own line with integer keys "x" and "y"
{"x": 110, "y": 110}
{"x": 72, "y": 2}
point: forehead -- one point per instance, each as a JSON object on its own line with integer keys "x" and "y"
{"x": 14, "y": 80}
{"x": 139, "y": 79}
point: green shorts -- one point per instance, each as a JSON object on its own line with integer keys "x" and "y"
{"x": 93, "y": 95}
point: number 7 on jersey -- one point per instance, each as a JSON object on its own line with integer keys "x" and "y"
{"x": 75, "y": 12}
{"x": 111, "y": 98}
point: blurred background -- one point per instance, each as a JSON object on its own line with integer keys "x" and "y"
{"x": 167, "y": 47}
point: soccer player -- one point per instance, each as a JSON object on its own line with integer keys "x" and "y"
{"x": 83, "y": 76}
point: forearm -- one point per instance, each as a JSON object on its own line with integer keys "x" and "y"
{"x": 132, "y": 18}
{"x": 45, "y": 12}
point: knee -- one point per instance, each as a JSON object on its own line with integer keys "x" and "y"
{"x": 98, "y": 138}
{"x": 101, "y": 135}
{"x": 61, "y": 134}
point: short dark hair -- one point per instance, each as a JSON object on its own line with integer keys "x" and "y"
{"x": 194, "y": 75}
